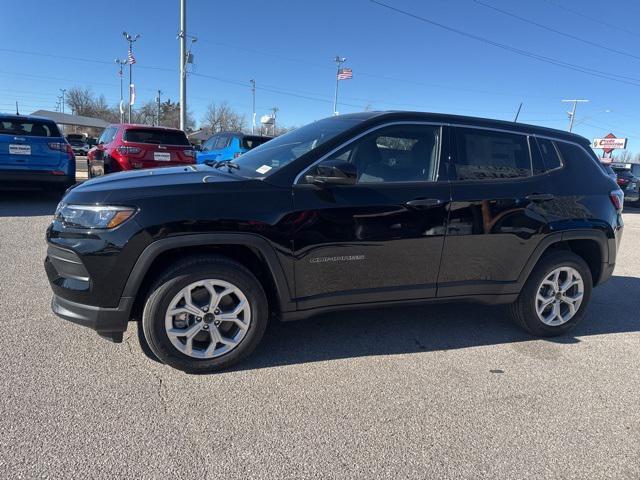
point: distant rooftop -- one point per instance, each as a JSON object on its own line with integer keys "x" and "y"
{"x": 69, "y": 119}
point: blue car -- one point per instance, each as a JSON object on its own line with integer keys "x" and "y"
{"x": 228, "y": 145}
{"x": 34, "y": 152}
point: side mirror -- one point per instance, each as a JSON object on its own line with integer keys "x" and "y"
{"x": 333, "y": 172}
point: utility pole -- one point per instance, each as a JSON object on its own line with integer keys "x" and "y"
{"x": 63, "y": 90}
{"x": 572, "y": 113}
{"x": 130, "y": 60}
{"x": 253, "y": 94}
{"x": 120, "y": 63}
{"x": 183, "y": 64}
{"x": 275, "y": 111}
{"x": 158, "y": 104}
{"x": 339, "y": 61}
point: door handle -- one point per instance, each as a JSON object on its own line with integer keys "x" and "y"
{"x": 422, "y": 203}
{"x": 540, "y": 197}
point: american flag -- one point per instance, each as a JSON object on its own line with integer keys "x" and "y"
{"x": 130, "y": 58}
{"x": 345, "y": 74}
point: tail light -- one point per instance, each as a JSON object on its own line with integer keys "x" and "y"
{"x": 622, "y": 181}
{"x": 62, "y": 147}
{"x": 237, "y": 154}
{"x": 617, "y": 199}
{"x": 128, "y": 150}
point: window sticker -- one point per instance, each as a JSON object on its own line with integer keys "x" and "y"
{"x": 263, "y": 169}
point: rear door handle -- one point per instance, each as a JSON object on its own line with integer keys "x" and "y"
{"x": 540, "y": 196}
{"x": 422, "y": 203}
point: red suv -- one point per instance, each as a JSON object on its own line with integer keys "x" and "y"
{"x": 128, "y": 147}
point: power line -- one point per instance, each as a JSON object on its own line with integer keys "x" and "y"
{"x": 559, "y": 32}
{"x": 599, "y": 21}
{"x": 589, "y": 71}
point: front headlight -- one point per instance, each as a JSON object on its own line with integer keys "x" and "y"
{"x": 92, "y": 216}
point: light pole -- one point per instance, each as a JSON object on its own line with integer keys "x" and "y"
{"x": 339, "y": 61}
{"x": 120, "y": 63}
{"x": 572, "y": 113}
{"x": 63, "y": 90}
{"x": 158, "y": 114}
{"x": 253, "y": 94}
{"x": 130, "y": 60}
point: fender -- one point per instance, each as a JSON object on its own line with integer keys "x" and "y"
{"x": 151, "y": 252}
{"x": 599, "y": 236}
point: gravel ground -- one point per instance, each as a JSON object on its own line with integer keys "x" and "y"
{"x": 430, "y": 392}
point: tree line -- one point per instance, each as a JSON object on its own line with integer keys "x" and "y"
{"x": 217, "y": 118}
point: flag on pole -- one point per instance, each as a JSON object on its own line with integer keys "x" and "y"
{"x": 131, "y": 58}
{"x": 121, "y": 106}
{"x": 345, "y": 74}
{"x": 132, "y": 94}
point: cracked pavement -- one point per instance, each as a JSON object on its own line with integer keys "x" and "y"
{"x": 431, "y": 392}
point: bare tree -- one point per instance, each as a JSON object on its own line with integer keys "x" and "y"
{"x": 624, "y": 156}
{"x": 222, "y": 118}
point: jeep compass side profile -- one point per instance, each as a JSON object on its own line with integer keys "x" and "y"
{"x": 353, "y": 211}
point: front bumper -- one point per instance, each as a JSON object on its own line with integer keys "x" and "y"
{"x": 110, "y": 323}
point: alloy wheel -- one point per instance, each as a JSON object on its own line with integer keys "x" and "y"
{"x": 207, "y": 318}
{"x": 559, "y": 296}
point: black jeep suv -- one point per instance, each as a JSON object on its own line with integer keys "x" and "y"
{"x": 351, "y": 211}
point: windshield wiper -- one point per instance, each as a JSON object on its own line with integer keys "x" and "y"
{"x": 230, "y": 164}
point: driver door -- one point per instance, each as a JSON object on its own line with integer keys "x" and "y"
{"x": 381, "y": 238}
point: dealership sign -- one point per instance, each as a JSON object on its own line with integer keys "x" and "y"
{"x": 609, "y": 143}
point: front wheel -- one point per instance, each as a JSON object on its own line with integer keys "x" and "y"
{"x": 555, "y": 296}
{"x": 205, "y": 314}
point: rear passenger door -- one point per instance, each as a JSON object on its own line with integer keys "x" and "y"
{"x": 497, "y": 213}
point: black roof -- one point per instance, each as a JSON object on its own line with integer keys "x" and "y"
{"x": 465, "y": 120}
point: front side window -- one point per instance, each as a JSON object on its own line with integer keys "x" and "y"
{"x": 400, "y": 153}
{"x": 489, "y": 155}
{"x": 222, "y": 142}
{"x": 208, "y": 145}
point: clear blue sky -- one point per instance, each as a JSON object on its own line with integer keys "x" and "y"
{"x": 288, "y": 47}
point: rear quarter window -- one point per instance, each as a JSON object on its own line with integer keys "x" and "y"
{"x": 157, "y": 137}
{"x": 29, "y": 128}
{"x": 577, "y": 157}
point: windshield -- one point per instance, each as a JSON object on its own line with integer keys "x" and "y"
{"x": 275, "y": 154}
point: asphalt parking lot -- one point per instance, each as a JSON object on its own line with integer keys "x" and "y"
{"x": 435, "y": 392}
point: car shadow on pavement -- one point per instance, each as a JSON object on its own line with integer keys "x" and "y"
{"x": 28, "y": 203}
{"x": 403, "y": 330}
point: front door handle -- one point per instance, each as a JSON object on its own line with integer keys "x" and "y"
{"x": 422, "y": 203}
{"x": 540, "y": 196}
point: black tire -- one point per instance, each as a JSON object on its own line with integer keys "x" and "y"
{"x": 523, "y": 310}
{"x": 179, "y": 276}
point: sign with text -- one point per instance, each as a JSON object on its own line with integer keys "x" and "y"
{"x": 609, "y": 143}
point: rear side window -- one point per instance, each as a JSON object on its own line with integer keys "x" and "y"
{"x": 570, "y": 152}
{"x": 29, "y": 128}
{"x": 487, "y": 155}
{"x": 222, "y": 142}
{"x": 550, "y": 154}
{"x": 158, "y": 137}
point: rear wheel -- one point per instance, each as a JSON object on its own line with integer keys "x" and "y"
{"x": 555, "y": 296}
{"x": 205, "y": 314}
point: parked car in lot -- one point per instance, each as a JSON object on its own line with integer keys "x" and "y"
{"x": 131, "y": 147}
{"x": 34, "y": 152}
{"x": 228, "y": 145}
{"x": 353, "y": 211}
{"x": 629, "y": 183}
{"x": 79, "y": 147}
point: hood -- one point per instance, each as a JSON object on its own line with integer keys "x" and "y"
{"x": 151, "y": 182}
